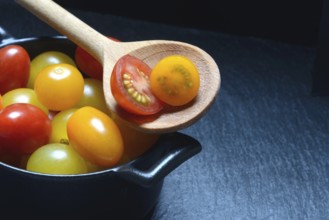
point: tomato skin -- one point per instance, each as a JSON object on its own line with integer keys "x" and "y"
{"x": 93, "y": 95}
{"x": 14, "y": 68}
{"x": 59, "y": 86}
{"x": 1, "y": 105}
{"x": 23, "y": 95}
{"x": 135, "y": 142}
{"x": 58, "y": 124}
{"x": 88, "y": 64}
{"x": 23, "y": 128}
{"x": 56, "y": 158}
{"x": 175, "y": 80}
{"x": 130, "y": 76}
{"x": 95, "y": 136}
{"x": 45, "y": 59}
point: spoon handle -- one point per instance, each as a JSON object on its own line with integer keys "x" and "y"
{"x": 69, "y": 25}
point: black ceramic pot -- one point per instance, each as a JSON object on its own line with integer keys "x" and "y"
{"x": 128, "y": 191}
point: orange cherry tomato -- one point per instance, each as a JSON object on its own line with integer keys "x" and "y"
{"x": 95, "y": 136}
{"x": 59, "y": 86}
{"x": 175, "y": 80}
{"x": 130, "y": 86}
{"x": 135, "y": 142}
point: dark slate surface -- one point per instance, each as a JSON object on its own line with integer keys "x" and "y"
{"x": 265, "y": 140}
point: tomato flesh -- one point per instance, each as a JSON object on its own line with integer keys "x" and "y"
{"x": 131, "y": 88}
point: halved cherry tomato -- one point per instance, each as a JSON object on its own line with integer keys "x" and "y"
{"x": 175, "y": 80}
{"x": 23, "y": 128}
{"x": 88, "y": 64}
{"x": 95, "y": 136}
{"x": 14, "y": 68}
{"x": 130, "y": 86}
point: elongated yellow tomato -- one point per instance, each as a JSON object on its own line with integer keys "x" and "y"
{"x": 175, "y": 80}
{"x": 59, "y": 86}
{"x": 95, "y": 136}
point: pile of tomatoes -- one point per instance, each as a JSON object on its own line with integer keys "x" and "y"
{"x": 53, "y": 115}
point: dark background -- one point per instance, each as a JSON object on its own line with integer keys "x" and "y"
{"x": 265, "y": 140}
{"x": 290, "y": 21}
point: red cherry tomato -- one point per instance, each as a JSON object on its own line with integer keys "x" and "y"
{"x": 23, "y": 128}
{"x": 14, "y": 68}
{"x": 1, "y": 105}
{"x": 130, "y": 86}
{"x": 88, "y": 64}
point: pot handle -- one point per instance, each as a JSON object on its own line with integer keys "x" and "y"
{"x": 4, "y": 36}
{"x": 178, "y": 148}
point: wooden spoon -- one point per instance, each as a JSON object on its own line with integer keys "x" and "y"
{"x": 107, "y": 52}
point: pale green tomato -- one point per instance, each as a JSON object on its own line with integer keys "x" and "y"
{"x": 23, "y": 95}
{"x": 46, "y": 59}
{"x": 93, "y": 95}
{"x": 56, "y": 158}
{"x": 58, "y": 124}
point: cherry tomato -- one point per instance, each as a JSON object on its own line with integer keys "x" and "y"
{"x": 59, "y": 86}
{"x": 45, "y": 59}
{"x": 14, "y": 68}
{"x": 23, "y": 95}
{"x": 93, "y": 95}
{"x": 175, "y": 80}
{"x": 58, "y": 124}
{"x": 95, "y": 136}
{"x": 23, "y": 128}
{"x": 56, "y": 158}
{"x": 131, "y": 88}
{"x": 1, "y": 104}
{"x": 88, "y": 64}
{"x": 135, "y": 142}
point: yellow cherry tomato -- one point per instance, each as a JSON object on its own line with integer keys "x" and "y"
{"x": 93, "y": 95}
{"x": 23, "y": 95}
{"x": 135, "y": 142}
{"x": 58, "y": 124}
{"x": 175, "y": 80}
{"x": 45, "y": 59}
{"x": 95, "y": 136}
{"x": 59, "y": 86}
{"x": 56, "y": 158}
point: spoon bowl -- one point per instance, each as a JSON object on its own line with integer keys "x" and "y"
{"x": 108, "y": 52}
